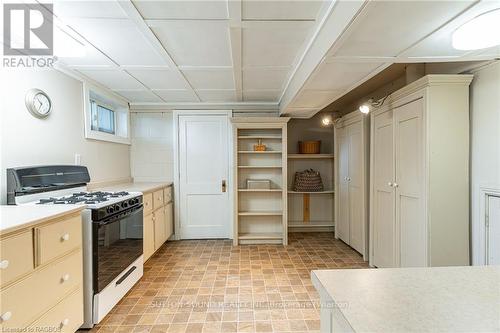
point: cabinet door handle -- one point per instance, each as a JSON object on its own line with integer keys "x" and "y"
{"x": 65, "y": 277}
{"x": 65, "y": 322}
{"x": 65, "y": 237}
{"x": 395, "y": 185}
{"x": 4, "y": 264}
{"x": 389, "y": 184}
{"x": 6, "y": 316}
{"x": 224, "y": 186}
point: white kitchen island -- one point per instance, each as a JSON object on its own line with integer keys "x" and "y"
{"x": 444, "y": 299}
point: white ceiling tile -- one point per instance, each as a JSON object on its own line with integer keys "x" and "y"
{"x": 255, "y": 78}
{"x": 88, "y": 9}
{"x": 195, "y": 43}
{"x": 119, "y": 39}
{"x": 156, "y": 78}
{"x": 274, "y": 43}
{"x": 387, "y": 30}
{"x": 314, "y": 98}
{"x": 339, "y": 75}
{"x": 139, "y": 96}
{"x": 173, "y": 96}
{"x": 280, "y": 10}
{"x": 182, "y": 9}
{"x": 210, "y": 95}
{"x": 210, "y": 78}
{"x": 261, "y": 95}
{"x": 113, "y": 79}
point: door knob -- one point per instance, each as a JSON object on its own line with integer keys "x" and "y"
{"x": 224, "y": 186}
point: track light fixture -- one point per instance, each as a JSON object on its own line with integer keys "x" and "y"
{"x": 371, "y": 103}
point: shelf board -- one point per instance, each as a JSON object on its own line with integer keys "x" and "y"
{"x": 255, "y": 235}
{"x": 259, "y": 166}
{"x": 256, "y": 137}
{"x": 259, "y": 152}
{"x": 259, "y": 190}
{"x": 310, "y": 156}
{"x": 317, "y": 192}
{"x": 261, "y": 213}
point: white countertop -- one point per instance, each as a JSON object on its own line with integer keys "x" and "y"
{"x": 143, "y": 187}
{"x": 446, "y": 299}
{"x": 17, "y": 217}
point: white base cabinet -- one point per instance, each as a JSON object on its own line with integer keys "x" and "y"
{"x": 351, "y": 185}
{"x": 419, "y": 213}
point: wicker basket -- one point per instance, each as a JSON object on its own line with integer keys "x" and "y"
{"x": 309, "y": 147}
{"x": 308, "y": 181}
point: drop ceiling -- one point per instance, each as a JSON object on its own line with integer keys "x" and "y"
{"x": 296, "y": 56}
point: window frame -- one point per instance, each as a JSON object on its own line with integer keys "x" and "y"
{"x": 112, "y": 102}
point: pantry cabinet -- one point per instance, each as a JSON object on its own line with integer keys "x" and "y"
{"x": 158, "y": 219}
{"x": 351, "y": 173}
{"x": 419, "y": 188}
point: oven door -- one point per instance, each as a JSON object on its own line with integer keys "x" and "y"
{"x": 117, "y": 243}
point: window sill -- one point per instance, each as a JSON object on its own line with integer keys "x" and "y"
{"x": 100, "y": 136}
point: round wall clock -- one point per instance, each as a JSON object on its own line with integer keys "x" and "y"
{"x": 38, "y": 103}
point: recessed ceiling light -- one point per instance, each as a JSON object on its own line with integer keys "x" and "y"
{"x": 479, "y": 33}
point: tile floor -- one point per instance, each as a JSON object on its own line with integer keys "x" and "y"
{"x": 212, "y": 286}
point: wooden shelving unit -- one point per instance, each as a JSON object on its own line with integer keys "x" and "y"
{"x": 260, "y": 214}
{"x": 310, "y": 156}
{"x": 310, "y": 211}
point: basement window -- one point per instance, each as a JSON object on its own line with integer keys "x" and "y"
{"x": 107, "y": 116}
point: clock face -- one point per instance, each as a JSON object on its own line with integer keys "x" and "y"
{"x": 38, "y": 103}
{"x": 42, "y": 104}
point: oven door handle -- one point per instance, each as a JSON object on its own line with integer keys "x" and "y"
{"x": 131, "y": 212}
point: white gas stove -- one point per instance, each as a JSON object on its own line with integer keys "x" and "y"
{"x": 112, "y": 230}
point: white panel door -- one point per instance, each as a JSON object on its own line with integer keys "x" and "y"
{"x": 342, "y": 225}
{"x": 493, "y": 231}
{"x": 203, "y": 167}
{"x": 410, "y": 218}
{"x": 384, "y": 234}
{"x": 355, "y": 183}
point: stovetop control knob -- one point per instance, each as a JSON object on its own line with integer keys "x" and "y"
{"x": 124, "y": 204}
{"x": 110, "y": 209}
{"x": 117, "y": 207}
{"x": 131, "y": 202}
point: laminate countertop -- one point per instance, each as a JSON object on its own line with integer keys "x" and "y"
{"x": 14, "y": 218}
{"x": 144, "y": 187}
{"x": 437, "y": 299}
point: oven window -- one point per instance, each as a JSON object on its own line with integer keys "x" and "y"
{"x": 118, "y": 244}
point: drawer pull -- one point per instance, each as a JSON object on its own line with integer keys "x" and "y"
{"x": 65, "y": 322}
{"x": 65, "y": 237}
{"x": 6, "y": 316}
{"x": 65, "y": 277}
{"x": 4, "y": 264}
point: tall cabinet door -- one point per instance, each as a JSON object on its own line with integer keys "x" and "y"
{"x": 410, "y": 218}
{"x": 355, "y": 183}
{"x": 342, "y": 225}
{"x": 383, "y": 209}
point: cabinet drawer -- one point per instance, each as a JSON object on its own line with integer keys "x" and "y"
{"x": 58, "y": 238}
{"x": 16, "y": 256}
{"x": 167, "y": 194}
{"x": 45, "y": 288}
{"x": 148, "y": 203}
{"x": 66, "y": 316}
{"x": 158, "y": 199}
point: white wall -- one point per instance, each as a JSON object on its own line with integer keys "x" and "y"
{"x": 26, "y": 140}
{"x": 485, "y": 147}
{"x": 152, "y": 153}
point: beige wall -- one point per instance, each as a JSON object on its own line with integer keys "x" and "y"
{"x": 26, "y": 140}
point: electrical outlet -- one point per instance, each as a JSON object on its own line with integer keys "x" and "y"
{"x": 78, "y": 159}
